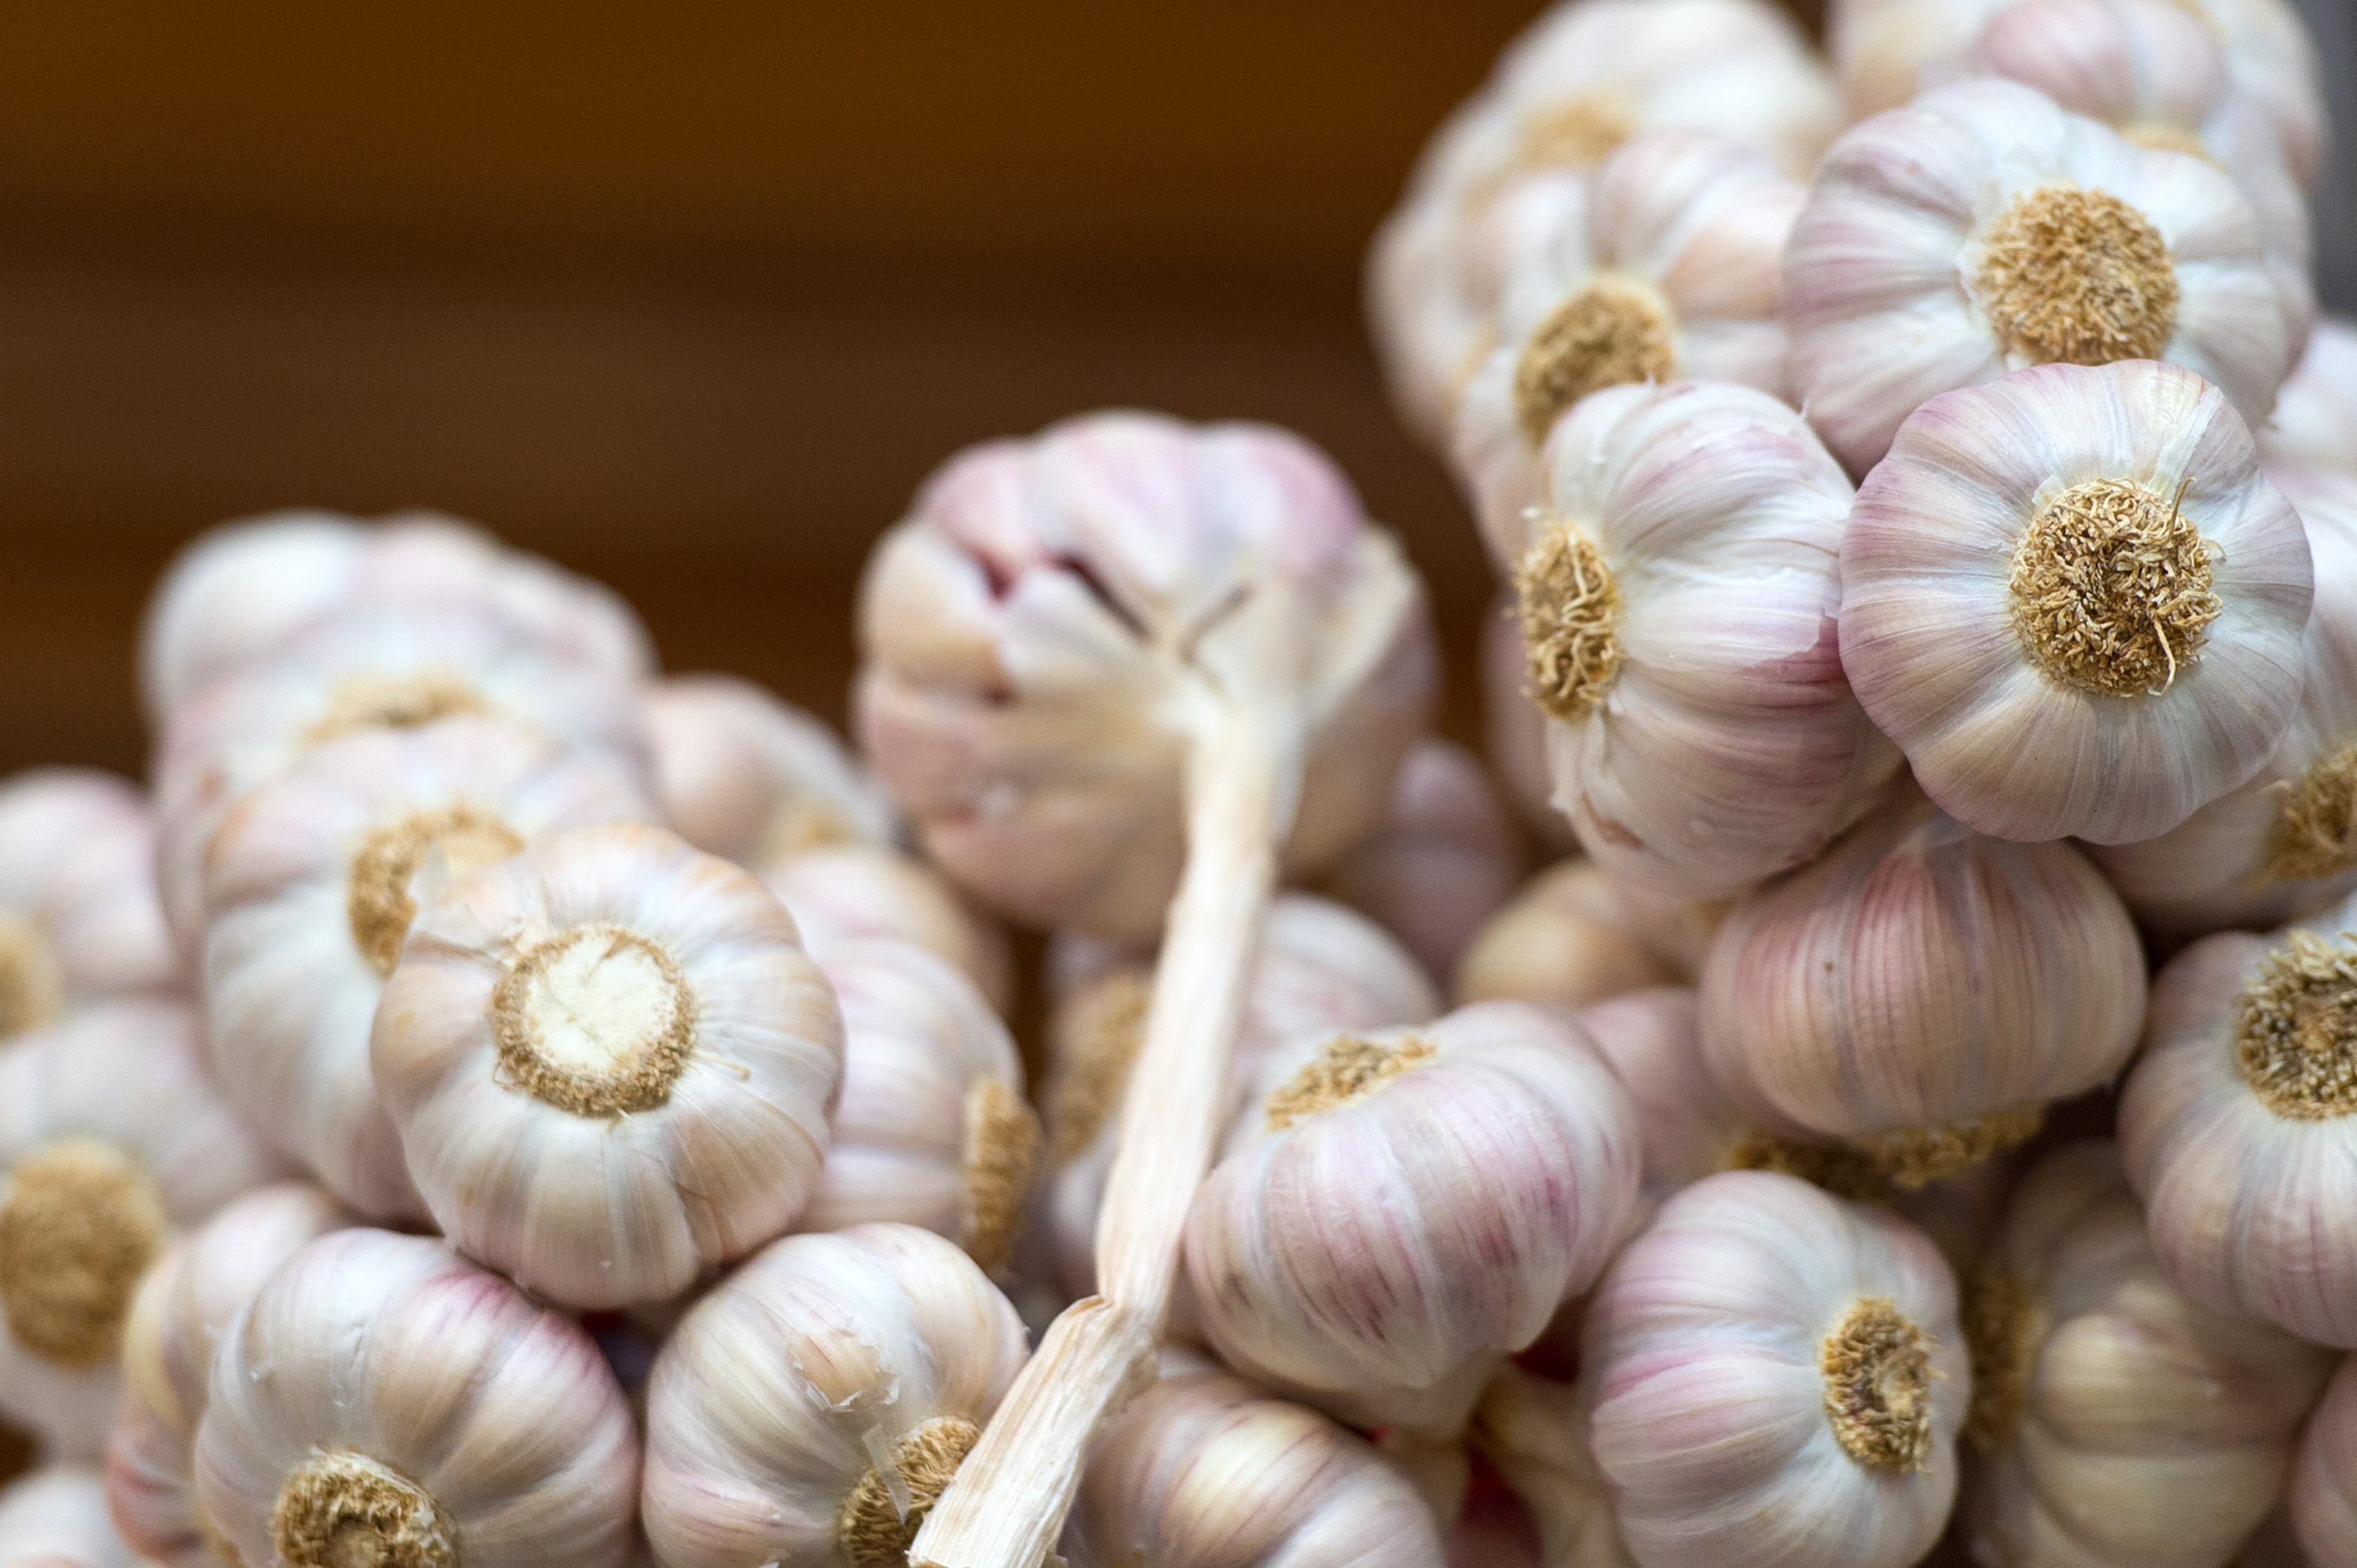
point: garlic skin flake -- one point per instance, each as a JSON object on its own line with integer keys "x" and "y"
{"x": 855, "y": 892}
{"x": 1777, "y": 1379}
{"x": 2323, "y": 1495}
{"x": 1983, "y": 229}
{"x": 811, "y": 1409}
{"x": 2073, "y": 600}
{"x": 610, "y": 1063}
{"x": 2315, "y": 426}
{"x": 382, "y": 1399}
{"x": 79, "y": 917}
{"x": 750, "y": 778}
{"x": 56, "y": 1518}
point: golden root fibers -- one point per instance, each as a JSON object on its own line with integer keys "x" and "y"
{"x": 2072, "y": 276}
{"x": 1346, "y": 1070}
{"x": 1570, "y": 613}
{"x": 2111, "y": 589}
{"x": 1877, "y": 1366}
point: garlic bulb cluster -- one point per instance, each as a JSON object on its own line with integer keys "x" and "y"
{"x": 383, "y": 1401}
{"x": 2315, "y": 426}
{"x": 1573, "y": 937}
{"x": 751, "y": 779}
{"x": 1776, "y": 1378}
{"x": 56, "y": 1518}
{"x": 2323, "y": 1493}
{"x": 854, "y": 892}
{"x": 78, "y": 918}
{"x": 812, "y": 1407}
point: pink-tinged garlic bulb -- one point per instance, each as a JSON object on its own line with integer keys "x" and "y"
{"x": 2117, "y": 1422}
{"x": 312, "y": 882}
{"x": 1777, "y": 1378}
{"x": 2323, "y": 1496}
{"x": 753, "y": 778}
{"x": 78, "y": 918}
{"x": 1535, "y": 1433}
{"x": 1983, "y": 229}
{"x": 1400, "y": 1210}
{"x": 1678, "y": 582}
{"x": 611, "y": 1064}
{"x": 1515, "y": 729}
{"x": 1206, "y": 1471}
{"x": 112, "y": 1138}
{"x": 1573, "y": 937}
{"x": 2315, "y": 426}
{"x": 933, "y": 1129}
{"x": 814, "y": 1406}
{"x": 1667, "y": 272}
{"x": 2075, "y": 603}
{"x": 858, "y": 892}
{"x": 2284, "y": 841}
{"x": 383, "y": 1401}
{"x": 56, "y": 1518}
{"x": 1924, "y": 992}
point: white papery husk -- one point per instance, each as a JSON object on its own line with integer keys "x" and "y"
{"x": 752, "y": 778}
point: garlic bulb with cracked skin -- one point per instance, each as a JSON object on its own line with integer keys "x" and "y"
{"x": 815, "y": 1404}
{"x": 1983, "y": 229}
{"x": 382, "y": 1399}
{"x": 611, "y": 1064}
{"x": 2323, "y": 1493}
{"x": 79, "y": 917}
{"x": 2116, "y": 1421}
{"x": 1571, "y": 938}
{"x": 2075, "y": 601}
{"x": 2315, "y": 423}
{"x": 853, "y": 892}
{"x": 1776, "y": 1379}
{"x": 1400, "y": 1210}
{"x": 748, "y": 777}
{"x": 56, "y": 1518}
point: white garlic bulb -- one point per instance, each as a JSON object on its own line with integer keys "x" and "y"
{"x": 1535, "y": 1433}
{"x": 2323, "y": 1496}
{"x": 56, "y": 1518}
{"x": 611, "y": 1064}
{"x": 1776, "y": 1378}
{"x": 2315, "y": 424}
{"x": 812, "y": 1408}
{"x": 383, "y": 1401}
{"x": 752, "y": 778}
{"x": 931, "y": 1129}
{"x": 78, "y": 918}
{"x": 311, "y": 884}
{"x": 2075, "y": 603}
{"x": 1678, "y": 581}
{"x": 1983, "y": 229}
{"x": 111, "y": 1137}
{"x": 1400, "y": 1210}
{"x": 1569, "y": 939}
{"x": 853, "y": 892}
{"x": 1205, "y": 1471}
{"x": 2117, "y": 1422}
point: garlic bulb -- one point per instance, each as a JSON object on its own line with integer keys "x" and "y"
{"x": 752, "y": 778}
{"x": 1399, "y": 1210}
{"x": 78, "y": 919}
{"x": 852, "y": 892}
{"x": 610, "y": 1063}
{"x": 1983, "y": 229}
{"x": 1569, "y": 939}
{"x": 1206, "y": 1471}
{"x": 1777, "y": 1378}
{"x": 1678, "y": 583}
{"x": 933, "y": 1129}
{"x": 2117, "y": 1422}
{"x": 1515, "y": 729}
{"x": 2323, "y": 1498}
{"x": 383, "y": 1401}
{"x": 2075, "y": 603}
{"x": 311, "y": 884}
{"x": 2315, "y": 424}
{"x": 812, "y": 1407}
{"x": 56, "y": 1518}
{"x": 1536, "y": 1434}
{"x": 1923, "y": 992}
{"x": 111, "y": 1136}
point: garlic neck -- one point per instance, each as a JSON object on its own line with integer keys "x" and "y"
{"x": 377, "y": 901}
{"x": 1345, "y": 1070}
{"x": 1570, "y": 610}
{"x": 409, "y": 700}
{"x": 2069, "y": 276}
{"x": 32, "y": 991}
{"x": 1614, "y": 332}
{"x": 1002, "y": 1147}
{"x": 2002, "y": 1331}
{"x": 2296, "y": 1029}
{"x": 343, "y": 1510}
{"x": 2112, "y": 590}
{"x": 595, "y": 1020}
{"x": 2314, "y": 830}
{"x": 877, "y": 1526}
{"x": 1916, "y": 1156}
{"x": 1878, "y": 1374}
{"x": 81, "y": 1223}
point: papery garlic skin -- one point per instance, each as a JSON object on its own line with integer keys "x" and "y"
{"x": 854, "y": 892}
{"x": 79, "y": 917}
{"x": 611, "y": 1064}
{"x": 56, "y": 1518}
{"x": 2315, "y": 423}
{"x": 2323, "y": 1495}
{"x": 1777, "y": 1378}
{"x": 2117, "y": 1422}
{"x": 383, "y": 1400}
{"x": 813, "y": 1406}
{"x": 1569, "y": 939}
{"x": 1205, "y": 1471}
{"x": 2075, "y": 601}
{"x": 1983, "y": 229}
{"x": 1400, "y": 1210}
{"x": 748, "y": 777}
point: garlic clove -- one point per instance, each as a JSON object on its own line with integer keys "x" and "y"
{"x": 853, "y": 892}
{"x": 2315, "y": 423}
{"x": 1570, "y": 938}
{"x": 79, "y": 917}
{"x": 748, "y": 777}
{"x": 56, "y": 1518}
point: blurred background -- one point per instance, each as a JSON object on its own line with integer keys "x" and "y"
{"x": 690, "y": 297}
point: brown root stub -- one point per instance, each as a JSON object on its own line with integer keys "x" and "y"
{"x": 80, "y": 1224}
{"x": 1002, "y": 1148}
{"x": 2314, "y": 831}
{"x": 1877, "y": 1366}
{"x": 377, "y": 901}
{"x": 2001, "y": 1332}
{"x": 410, "y": 700}
{"x": 2296, "y": 1029}
{"x": 595, "y": 1020}
{"x": 2073, "y": 276}
{"x": 1097, "y": 1045}
{"x": 2111, "y": 589}
{"x": 1579, "y": 133}
{"x": 1614, "y": 332}
{"x": 340, "y": 1509}
{"x": 1345, "y": 1070}
{"x": 1570, "y": 611}
{"x": 1917, "y": 1157}
{"x": 32, "y": 991}
{"x": 1844, "y": 1172}
{"x": 872, "y": 1529}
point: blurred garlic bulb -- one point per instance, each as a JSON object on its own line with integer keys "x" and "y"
{"x": 748, "y": 777}
{"x": 1399, "y": 1210}
{"x": 1535, "y": 1433}
{"x": 2315, "y": 424}
{"x": 311, "y": 884}
{"x": 812, "y": 1407}
{"x": 610, "y": 1063}
{"x": 1678, "y": 582}
{"x": 56, "y": 1518}
{"x": 933, "y": 1129}
{"x": 1515, "y": 729}
{"x": 2323, "y": 1498}
{"x": 111, "y": 1137}
{"x": 2075, "y": 603}
{"x": 383, "y": 1401}
{"x": 78, "y": 919}
{"x": 1923, "y": 992}
{"x": 2117, "y": 1422}
{"x": 1205, "y": 1471}
{"x": 1569, "y": 939}
{"x": 1777, "y": 1378}
{"x": 1983, "y": 229}
{"x": 853, "y": 892}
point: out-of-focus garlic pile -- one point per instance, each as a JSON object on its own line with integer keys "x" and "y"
{"x": 488, "y": 1104}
